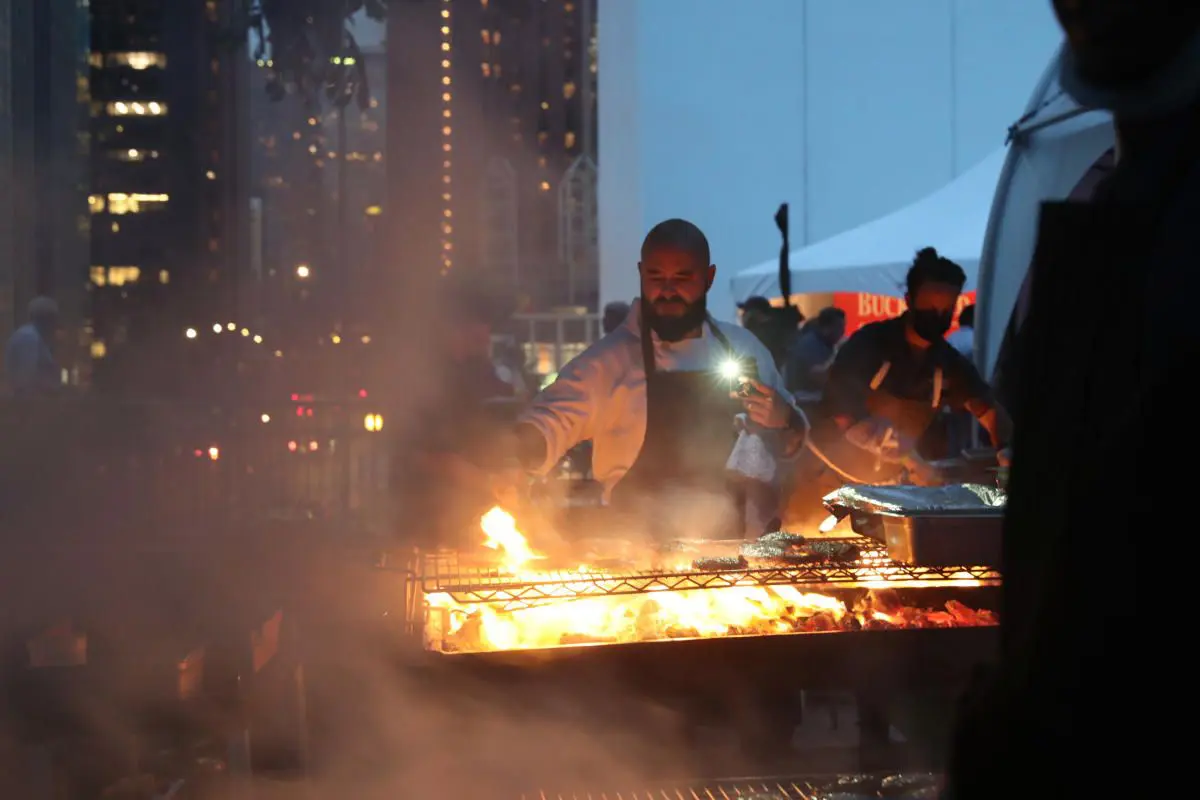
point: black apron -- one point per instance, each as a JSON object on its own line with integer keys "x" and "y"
{"x": 689, "y": 436}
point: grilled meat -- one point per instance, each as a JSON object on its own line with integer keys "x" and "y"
{"x": 720, "y": 563}
{"x": 829, "y": 550}
{"x": 782, "y": 539}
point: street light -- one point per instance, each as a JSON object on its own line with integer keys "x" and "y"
{"x": 190, "y": 333}
{"x": 217, "y": 327}
{"x": 302, "y": 271}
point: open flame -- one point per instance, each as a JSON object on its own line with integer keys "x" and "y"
{"x": 571, "y": 619}
{"x": 501, "y": 534}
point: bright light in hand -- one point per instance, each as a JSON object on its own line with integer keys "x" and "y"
{"x": 731, "y": 369}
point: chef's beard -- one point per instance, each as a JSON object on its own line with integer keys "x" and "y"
{"x": 675, "y": 328}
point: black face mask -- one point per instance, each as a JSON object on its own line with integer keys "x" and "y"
{"x": 929, "y": 324}
{"x": 673, "y": 329}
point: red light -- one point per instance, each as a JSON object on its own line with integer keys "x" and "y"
{"x": 299, "y": 411}
{"x": 199, "y": 453}
{"x": 362, "y": 393}
{"x": 312, "y": 445}
{"x": 308, "y": 413}
{"x": 292, "y": 446}
{"x": 295, "y": 397}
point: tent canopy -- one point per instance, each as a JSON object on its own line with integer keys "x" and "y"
{"x": 875, "y": 257}
{"x": 1054, "y": 145}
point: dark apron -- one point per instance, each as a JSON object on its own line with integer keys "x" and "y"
{"x": 813, "y": 478}
{"x": 689, "y": 436}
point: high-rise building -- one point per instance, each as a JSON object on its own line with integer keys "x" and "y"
{"x": 169, "y": 193}
{"x": 43, "y": 166}
{"x": 307, "y": 155}
{"x": 491, "y": 132}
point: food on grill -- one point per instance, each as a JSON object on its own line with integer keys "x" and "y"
{"x": 833, "y": 550}
{"x": 718, "y": 563}
{"x": 782, "y": 539}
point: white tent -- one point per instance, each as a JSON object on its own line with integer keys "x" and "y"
{"x": 875, "y": 257}
{"x": 1053, "y": 147}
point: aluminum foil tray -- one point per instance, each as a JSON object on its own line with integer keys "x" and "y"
{"x": 956, "y": 499}
{"x": 941, "y": 526}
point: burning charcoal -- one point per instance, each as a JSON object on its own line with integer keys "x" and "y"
{"x": 781, "y": 539}
{"x": 885, "y": 600}
{"x": 941, "y": 619}
{"x": 681, "y": 632}
{"x": 851, "y": 623}
{"x": 821, "y": 621}
{"x": 985, "y": 617}
{"x": 877, "y": 624}
{"x": 962, "y": 614}
{"x": 720, "y": 563}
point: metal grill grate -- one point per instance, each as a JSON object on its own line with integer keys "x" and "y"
{"x": 444, "y": 572}
{"x": 741, "y": 789}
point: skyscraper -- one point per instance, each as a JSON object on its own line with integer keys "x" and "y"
{"x": 43, "y": 149}
{"x": 169, "y": 195}
{"x": 491, "y": 104}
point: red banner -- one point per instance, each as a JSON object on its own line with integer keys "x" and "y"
{"x": 862, "y": 308}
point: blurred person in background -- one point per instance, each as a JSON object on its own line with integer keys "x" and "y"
{"x": 776, "y": 327}
{"x": 812, "y": 353}
{"x": 652, "y": 399}
{"x": 614, "y": 314}
{"x": 1095, "y": 449}
{"x": 29, "y": 362}
{"x": 963, "y": 339}
{"x": 441, "y": 468}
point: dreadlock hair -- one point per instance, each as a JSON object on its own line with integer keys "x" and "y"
{"x": 677, "y": 234}
{"x": 929, "y": 267}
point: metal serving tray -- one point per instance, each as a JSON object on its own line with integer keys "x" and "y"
{"x": 944, "y": 539}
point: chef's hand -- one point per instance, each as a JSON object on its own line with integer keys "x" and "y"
{"x": 765, "y": 406}
{"x": 1004, "y": 457}
{"x": 921, "y": 472}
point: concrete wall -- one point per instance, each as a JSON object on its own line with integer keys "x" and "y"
{"x": 719, "y": 110}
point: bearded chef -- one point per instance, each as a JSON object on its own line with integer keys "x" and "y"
{"x": 675, "y": 433}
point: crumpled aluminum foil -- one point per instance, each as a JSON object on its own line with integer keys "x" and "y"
{"x": 963, "y": 497}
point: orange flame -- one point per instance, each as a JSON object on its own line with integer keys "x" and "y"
{"x": 500, "y": 530}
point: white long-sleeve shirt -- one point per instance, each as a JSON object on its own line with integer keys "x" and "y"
{"x": 601, "y": 394}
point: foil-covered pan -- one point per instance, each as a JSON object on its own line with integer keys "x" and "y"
{"x": 940, "y": 526}
{"x": 954, "y": 499}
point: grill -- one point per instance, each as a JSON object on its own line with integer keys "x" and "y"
{"x": 444, "y": 572}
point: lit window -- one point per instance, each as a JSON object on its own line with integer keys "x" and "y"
{"x": 120, "y": 203}
{"x": 137, "y": 60}
{"x": 98, "y": 276}
{"x": 569, "y": 139}
{"x": 164, "y": 277}
{"x": 96, "y": 203}
{"x": 495, "y": 37}
{"x": 99, "y": 349}
{"x": 568, "y": 90}
{"x": 96, "y": 59}
{"x": 119, "y": 276}
{"x": 374, "y": 211}
{"x": 445, "y": 46}
{"x": 545, "y": 106}
{"x": 446, "y": 130}
{"x": 487, "y": 36}
{"x": 121, "y": 108}
{"x": 544, "y": 186}
{"x": 486, "y": 69}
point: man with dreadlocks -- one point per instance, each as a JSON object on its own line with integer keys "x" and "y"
{"x": 662, "y": 418}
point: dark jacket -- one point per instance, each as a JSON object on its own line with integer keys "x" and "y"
{"x": 1106, "y": 358}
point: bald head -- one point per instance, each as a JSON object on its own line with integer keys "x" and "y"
{"x": 679, "y": 235}
{"x": 677, "y": 273}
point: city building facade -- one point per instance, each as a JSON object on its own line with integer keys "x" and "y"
{"x": 491, "y": 132}
{"x": 169, "y": 194}
{"x": 43, "y": 162}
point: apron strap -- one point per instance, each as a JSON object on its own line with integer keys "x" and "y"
{"x": 937, "y": 388}
{"x": 877, "y": 381}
